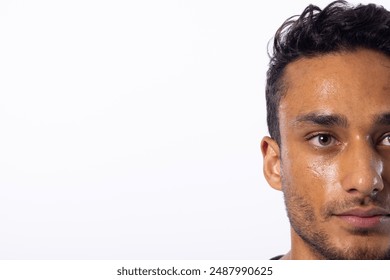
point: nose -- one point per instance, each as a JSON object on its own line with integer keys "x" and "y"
{"x": 363, "y": 169}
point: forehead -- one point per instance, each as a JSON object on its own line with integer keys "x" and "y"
{"x": 355, "y": 84}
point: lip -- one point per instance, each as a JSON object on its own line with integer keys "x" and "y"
{"x": 365, "y": 218}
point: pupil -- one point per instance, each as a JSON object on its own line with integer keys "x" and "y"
{"x": 324, "y": 139}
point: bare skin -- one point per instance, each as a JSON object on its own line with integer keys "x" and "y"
{"x": 333, "y": 164}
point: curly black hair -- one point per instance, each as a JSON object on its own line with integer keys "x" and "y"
{"x": 338, "y": 27}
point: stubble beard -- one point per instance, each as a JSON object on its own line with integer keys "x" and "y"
{"x": 305, "y": 223}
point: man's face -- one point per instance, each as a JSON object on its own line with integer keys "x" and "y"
{"x": 335, "y": 154}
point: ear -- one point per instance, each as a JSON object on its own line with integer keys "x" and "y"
{"x": 271, "y": 162}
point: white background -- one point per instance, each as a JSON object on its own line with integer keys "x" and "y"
{"x": 131, "y": 130}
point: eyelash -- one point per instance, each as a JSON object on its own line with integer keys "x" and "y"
{"x": 327, "y": 134}
{"x": 383, "y": 138}
{"x": 317, "y": 134}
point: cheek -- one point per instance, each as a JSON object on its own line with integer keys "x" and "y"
{"x": 325, "y": 173}
{"x": 386, "y": 169}
{"x": 386, "y": 179}
{"x": 315, "y": 177}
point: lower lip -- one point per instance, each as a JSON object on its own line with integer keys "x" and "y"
{"x": 363, "y": 222}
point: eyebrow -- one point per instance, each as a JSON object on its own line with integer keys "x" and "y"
{"x": 330, "y": 120}
{"x": 324, "y": 119}
{"x": 383, "y": 119}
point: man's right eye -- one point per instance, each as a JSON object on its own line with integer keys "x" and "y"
{"x": 322, "y": 140}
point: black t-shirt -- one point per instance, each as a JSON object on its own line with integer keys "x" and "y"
{"x": 277, "y": 257}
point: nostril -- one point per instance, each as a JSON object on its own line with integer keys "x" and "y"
{"x": 374, "y": 192}
{"x": 352, "y": 191}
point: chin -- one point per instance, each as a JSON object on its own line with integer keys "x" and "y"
{"x": 360, "y": 254}
{"x": 362, "y": 245}
{"x": 357, "y": 247}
